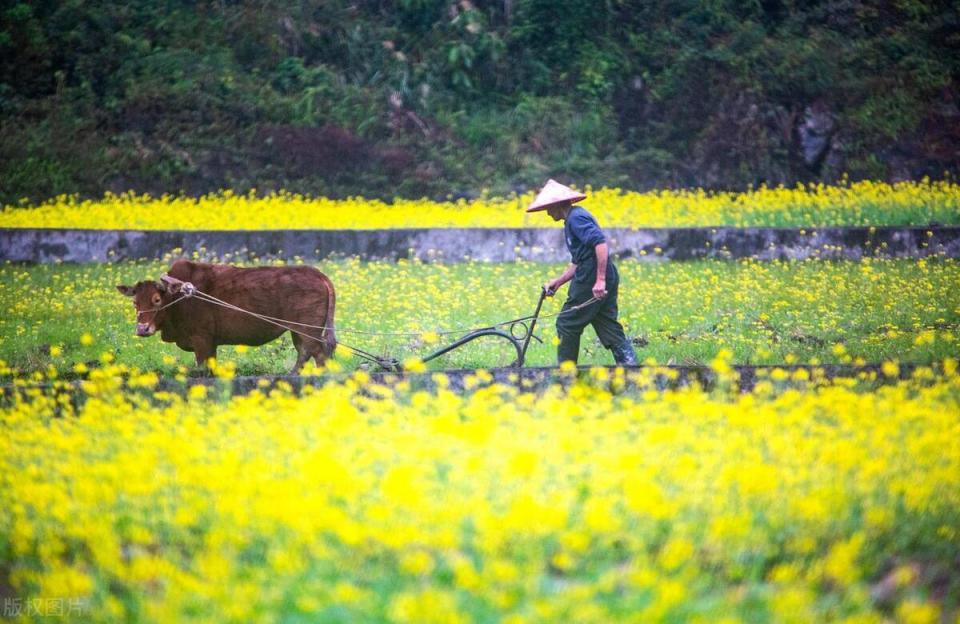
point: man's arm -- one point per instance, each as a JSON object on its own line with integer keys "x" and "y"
{"x": 567, "y": 275}
{"x": 600, "y": 286}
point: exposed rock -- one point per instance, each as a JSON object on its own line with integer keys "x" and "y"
{"x": 815, "y": 132}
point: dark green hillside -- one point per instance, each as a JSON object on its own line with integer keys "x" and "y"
{"x": 431, "y": 97}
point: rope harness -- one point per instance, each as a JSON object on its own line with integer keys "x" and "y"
{"x": 187, "y": 290}
{"x": 163, "y": 307}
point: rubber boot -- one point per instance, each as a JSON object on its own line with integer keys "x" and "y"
{"x": 624, "y": 355}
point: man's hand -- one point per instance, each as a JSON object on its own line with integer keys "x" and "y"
{"x": 550, "y": 288}
{"x": 600, "y": 289}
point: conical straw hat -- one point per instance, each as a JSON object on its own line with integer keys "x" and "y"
{"x": 554, "y": 193}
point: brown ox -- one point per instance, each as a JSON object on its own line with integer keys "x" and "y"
{"x": 296, "y": 294}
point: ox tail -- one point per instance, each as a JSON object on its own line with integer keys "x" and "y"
{"x": 329, "y": 334}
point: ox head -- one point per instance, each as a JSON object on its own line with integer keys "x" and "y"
{"x": 150, "y": 300}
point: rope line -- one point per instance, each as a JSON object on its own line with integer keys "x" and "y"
{"x": 163, "y": 307}
{"x": 341, "y": 330}
{"x": 188, "y": 290}
{"x": 275, "y": 320}
{"x": 280, "y": 323}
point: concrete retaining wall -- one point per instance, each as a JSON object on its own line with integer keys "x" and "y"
{"x": 491, "y": 245}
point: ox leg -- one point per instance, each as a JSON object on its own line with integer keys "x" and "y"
{"x": 305, "y": 349}
{"x": 203, "y": 349}
{"x": 322, "y": 352}
{"x": 320, "y": 357}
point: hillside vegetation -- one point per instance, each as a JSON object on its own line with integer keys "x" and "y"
{"x": 419, "y": 98}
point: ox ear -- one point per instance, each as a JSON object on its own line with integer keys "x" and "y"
{"x": 126, "y": 291}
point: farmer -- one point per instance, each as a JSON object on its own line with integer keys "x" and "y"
{"x": 593, "y": 275}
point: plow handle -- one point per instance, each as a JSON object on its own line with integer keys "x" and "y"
{"x": 533, "y": 324}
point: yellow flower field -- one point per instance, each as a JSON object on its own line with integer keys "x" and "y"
{"x": 363, "y": 502}
{"x": 860, "y": 203}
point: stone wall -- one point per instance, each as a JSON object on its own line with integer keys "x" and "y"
{"x": 491, "y": 245}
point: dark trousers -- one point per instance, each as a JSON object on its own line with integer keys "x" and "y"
{"x": 602, "y": 314}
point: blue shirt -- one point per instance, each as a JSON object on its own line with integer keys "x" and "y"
{"x": 583, "y": 234}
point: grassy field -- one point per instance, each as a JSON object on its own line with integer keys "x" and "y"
{"x": 681, "y": 313}
{"x": 861, "y": 203}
